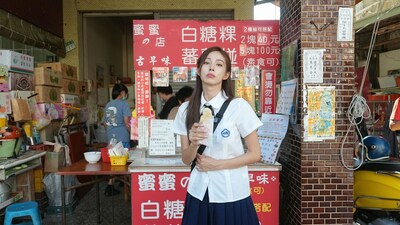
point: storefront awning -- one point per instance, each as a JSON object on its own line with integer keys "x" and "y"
{"x": 19, "y": 30}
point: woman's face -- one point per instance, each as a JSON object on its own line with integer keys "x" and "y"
{"x": 213, "y": 70}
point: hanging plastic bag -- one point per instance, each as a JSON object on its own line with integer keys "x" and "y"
{"x": 52, "y": 186}
{"x": 42, "y": 120}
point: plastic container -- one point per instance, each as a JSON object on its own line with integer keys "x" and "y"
{"x": 104, "y": 155}
{"x": 119, "y": 160}
{"x": 36, "y": 135}
{"x": 9, "y": 146}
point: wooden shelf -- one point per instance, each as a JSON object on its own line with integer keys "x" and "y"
{"x": 16, "y": 196}
{"x": 25, "y": 162}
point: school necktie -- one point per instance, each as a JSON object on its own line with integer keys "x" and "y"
{"x": 208, "y": 106}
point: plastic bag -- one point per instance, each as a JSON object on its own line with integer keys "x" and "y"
{"x": 52, "y": 186}
{"x": 40, "y": 119}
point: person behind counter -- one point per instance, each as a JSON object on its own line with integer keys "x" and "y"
{"x": 219, "y": 189}
{"x": 170, "y": 101}
{"x": 183, "y": 95}
{"x": 116, "y": 120}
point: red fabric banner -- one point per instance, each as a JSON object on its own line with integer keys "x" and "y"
{"x": 168, "y": 43}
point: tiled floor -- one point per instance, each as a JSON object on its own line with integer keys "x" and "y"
{"x": 85, "y": 211}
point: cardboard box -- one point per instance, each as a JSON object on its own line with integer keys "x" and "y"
{"x": 47, "y": 94}
{"x": 45, "y": 76}
{"x": 20, "y": 81}
{"x": 16, "y": 61}
{"x": 54, "y": 161}
{"x": 5, "y": 103}
{"x": 21, "y": 94}
{"x": 67, "y": 71}
{"x": 70, "y": 87}
{"x": 72, "y": 100}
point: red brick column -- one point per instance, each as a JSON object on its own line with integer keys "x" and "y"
{"x": 316, "y": 188}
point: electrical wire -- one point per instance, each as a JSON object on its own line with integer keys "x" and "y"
{"x": 358, "y": 109}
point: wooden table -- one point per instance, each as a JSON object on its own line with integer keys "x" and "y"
{"x": 84, "y": 168}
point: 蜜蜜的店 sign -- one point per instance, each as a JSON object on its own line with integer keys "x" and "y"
{"x": 168, "y": 43}
{"x": 158, "y": 198}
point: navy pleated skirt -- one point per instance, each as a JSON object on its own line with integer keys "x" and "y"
{"x": 198, "y": 212}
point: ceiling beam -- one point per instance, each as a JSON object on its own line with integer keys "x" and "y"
{"x": 258, "y": 2}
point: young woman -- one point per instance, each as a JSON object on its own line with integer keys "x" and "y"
{"x": 116, "y": 119}
{"x": 218, "y": 190}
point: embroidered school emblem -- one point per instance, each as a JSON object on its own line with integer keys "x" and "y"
{"x": 225, "y": 133}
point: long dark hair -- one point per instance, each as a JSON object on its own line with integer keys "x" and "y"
{"x": 117, "y": 89}
{"x": 193, "y": 110}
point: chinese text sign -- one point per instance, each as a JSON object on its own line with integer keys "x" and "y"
{"x": 168, "y": 43}
{"x": 158, "y": 198}
{"x": 142, "y": 93}
{"x": 268, "y": 89}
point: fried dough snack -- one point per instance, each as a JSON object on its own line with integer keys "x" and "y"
{"x": 207, "y": 114}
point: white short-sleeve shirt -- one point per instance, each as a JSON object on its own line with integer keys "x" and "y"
{"x": 238, "y": 121}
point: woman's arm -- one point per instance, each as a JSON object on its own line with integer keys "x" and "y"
{"x": 394, "y": 125}
{"x": 253, "y": 155}
{"x": 127, "y": 123}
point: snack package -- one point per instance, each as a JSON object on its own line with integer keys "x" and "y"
{"x": 208, "y": 120}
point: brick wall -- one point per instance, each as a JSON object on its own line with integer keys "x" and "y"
{"x": 316, "y": 188}
{"x": 290, "y": 156}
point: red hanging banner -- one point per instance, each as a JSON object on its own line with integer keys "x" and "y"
{"x": 268, "y": 91}
{"x": 167, "y": 43}
{"x": 143, "y": 93}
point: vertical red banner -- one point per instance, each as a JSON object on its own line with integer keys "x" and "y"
{"x": 158, "y": 197}
{"x": 143, "y": 93}
{"x": 268, "y": 91}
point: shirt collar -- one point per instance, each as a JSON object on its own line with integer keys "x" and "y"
{"x": 216, "y": 102}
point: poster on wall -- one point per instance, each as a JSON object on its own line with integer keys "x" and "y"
{"x": 160, "y": 76}
{"x": 285, "y": 103}
{"x": 271, "y": 139}
{"x": 243, "y": 91}
{"x": 168, "y": 43}
{"x": 320, "y": 119}
{"x": 289, "y": 62}
{"x": 313, "y": 64}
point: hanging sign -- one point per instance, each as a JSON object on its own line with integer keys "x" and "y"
{"x": 142, "y": 93}
{"x": 168, "y": 43}
{"x": 268, "y": 91}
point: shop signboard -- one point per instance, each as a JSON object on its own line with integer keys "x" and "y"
{"x": 142, "y": 93}
{"x": 169, "y": 43}
{"x": 268, "y": 91}
{"x": 158, "y": 198}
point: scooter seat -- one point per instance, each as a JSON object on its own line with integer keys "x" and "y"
{"x": 390, "y": 165}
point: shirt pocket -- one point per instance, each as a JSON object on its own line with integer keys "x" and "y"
{"x": 225, "y": 139}
{"x": 225, "y": 133}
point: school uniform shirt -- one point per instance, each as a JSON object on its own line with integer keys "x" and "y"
{"x": 238, "y": 121}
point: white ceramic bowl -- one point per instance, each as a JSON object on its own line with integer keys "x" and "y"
{"x": 92, "y": 157}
